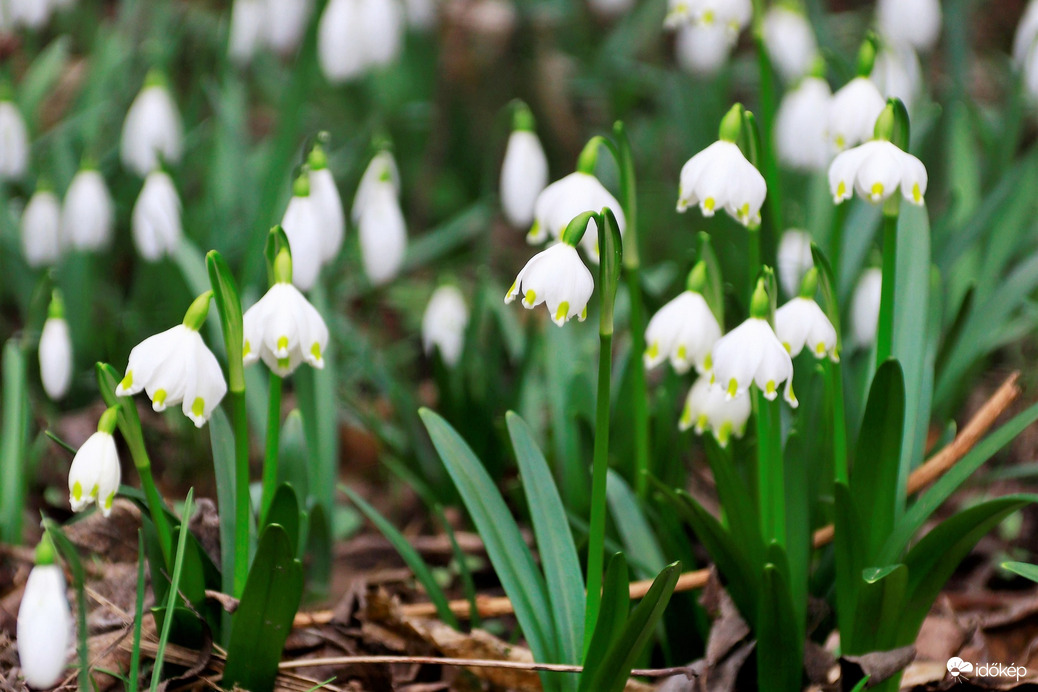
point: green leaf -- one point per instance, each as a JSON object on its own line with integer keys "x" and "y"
{"x": 637, "y": 536}
{"x": 293, "y": 455}
{"x": 1023, "y": 569}
{"x": 228, "y": 303}
{"x": 827, "y": 285}
{"x": 615, "y": 668}
{"x": 174, "y": 594}
{"x": 713, "y": 291}
{"x": 138, "y": 616}
{"x": 41, "y": 77}
{"x": 408, "y": 554}
{"x": 276, "y": 239}
{"x": 740, "y": 511}
{"x": 616, "y": 604}
{"x": 850, "y": 561}
{"x": 780, "y": 651}
{"x": 506, "y": 549}
{"x": 264, "y": 617}
{"x": 319, "y": 547}
{"x": 558, "y": 552}
{"x": 12, "y": 444}
{"x": 221, "y": 439}
{"x": 882, "y": 597}
{"x": 284, "y": 511}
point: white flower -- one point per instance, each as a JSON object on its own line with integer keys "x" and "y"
{"x": 916, "y": 23}
{"x": 701, "y": 49}
{"x": 1030, "y": 74}
{"x": 284, "y": 329}
{"x": 790, "y": 41}
{"x": 524, "y": 175}
{"x": 32, "y": 14}
{"x": 801, "y": 322}
{"x": 14, "y": 142}
{"x": 876, "y": 170}
{"x": 557, "y": 277}
{"x": 156, "y": 217}
{"x": 897, "y": 73}
{"x": 302, "y": 224}
{"x": 731, "y": 15}
{"x": 720, "y": 177}
{"x": 152, "y": 133}
{"x": 382, "y": 168}
{"x": 88, "y": 213}
{"x": 801, "y": 126}
{"x": 326, "y": 197}
{"x": 382, "y": 232}
{"x": 794, "y": 259}
{"x": 707, "y": 407}
{"x": 444, "y": 322}
{"x": 567, "y": 198}
{"x": 175, "y": 366}
{"x": 752, "y": 353}
{"x": 44, "y": 627}
{"x": 355, "y": 36}
{"x": 422, "y": 14}
{"x": 41, "y": 229}
{"x": 853, "y": 112}
{"x": 55, "y": 357}
{"x": 1026, "y": 32}
{"x": 684, "y": 330}
{"x": 248, "y": 22}
{"x": 865, "y": 308}
{"x": 286, "y": 22}
{"x": 95, "y": 474}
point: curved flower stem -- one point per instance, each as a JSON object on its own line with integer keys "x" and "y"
{"x": 885, "y": 331}
{"x": 771, "y": 480}
{"x": 270, "y": 456}
{"x": 834, "y": 383}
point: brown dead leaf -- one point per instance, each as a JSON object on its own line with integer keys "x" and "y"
{"x": 877, "y": 665}
{"x": 114, "y": 537}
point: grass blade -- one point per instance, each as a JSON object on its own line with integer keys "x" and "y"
{"x": 174, "y": 593}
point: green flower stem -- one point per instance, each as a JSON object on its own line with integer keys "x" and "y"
{"x": 242, "y": 501}
{"x": 834, "y": 383}
{"x": 771, "y": 480}
{"x": 754, "y": 259}
{"x": 270, "y": 457}
{"x": 885, "y": 332}
{"x": 768, "y": 164}
{"x": 836, "y": 240}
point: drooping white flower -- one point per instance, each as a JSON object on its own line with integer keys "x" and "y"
{"x": 707, "y": 407}
{"x": 55, "y": 351}
{"x": 95, "y": 473}
{"x": 303, "y": 224}
{"x": 865, "y": 308}
{"x": 381, "y": 168}
{"x": 88, "y": 213}
{"x": 152, "y": 132}
{"x": 897, "y": 73}
{"x": 801, "y": 322}
{"x": 801, "y": 126}
{"x": 355, "y": 36}
{"x": 1026, "y": 33}
{"x": 524, "y": 172}
{"x": 44, "y": 621}
{"x": 41, "y": 229}
{"x": 248, "y": 24}
{"x": 790, "y": 42}
{"x": 876, "y": 170}
{"x": 283, "y": 328}
{"x": 702, "y": 50}
{"x": 731, "y": 15}
{"x": 684, "y": 330}
{"x": 325, "y": 195}
{"x": 286, "y": 22}
{"x": 915, "y": 23}
{"x": 31, "y": 14}
{"x": 444, "y": 322}
{"x": 14, "y": 142}
{"x": 176, "y": 366}
{"x": 720, "y": 177}
{"x": 853, "y": 112}
{"x": 567, "y": 198}
{"x": 382, "y": 232}
{"x": 156, "y": 217}
{"x": 794, "y": 259}
{"x": 558, "y": 278}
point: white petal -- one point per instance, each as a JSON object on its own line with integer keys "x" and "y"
{"x": 55, "y": 357}
{"x": 879, "y": 175}
{"x": 913, "y": 178}
{"x": 444, "y": 322}
{"x": 382, "y": 232}
{"x": 14, "y": 142}
{"x": 286, "y": 23}
{"x": 794, "y": 259}
{"x": 247, "y": 22}
{"x": 204, "y": 384}
{"x": 44, "y": 627}
{"x": 302, "y": 225}
{"x": 156, "y": 217}
{"x": 152, "y": 132}
{"x": 41, "y": 229}
{"x": 853, "y": 112}
{"x": 333, "y": 220}
{"x": 88, "y": 213}
{"x": 801, "y": 124}
{"x": 340, "y": 41}
{"x": 524, "y": 175}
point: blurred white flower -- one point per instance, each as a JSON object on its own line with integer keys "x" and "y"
{"x": 720, "y": 177}
{"x": 44, "y": 623}
{"x": 286, "y": 22}
{"x": 94, "y": 475}
{"x": 444, "y": 322}
{"x": 88, "y": 213}
{"x": 801, "y": 322}
{"x": 557, "y": 277}
{"x": 684, "y": 330}
{"x": 751, "y": 353}
{"x": 707, "y": 407}
{"x": 524, "y": 172}
{"x": 794, "y": 259}
{"x": 355, "y": 36}
{"x": 14, "y": 142}
{"x": 853, "y": 112}
{"x": 41, "y": 229}
{"x": 325, "y": 194}
{"x": 302, "y": 223}
{"x": 567, "y": 198}
{"x": 897, "y": 73}
{"x": 702, "y": 49}
{"x": 865, "y": 308}
{"x": 876, "y": 170}
{"x": 422, "y": 15}
{"x": 730, "y": 15}
{"x": 152, "y": 133}
{"x": 248, "y": 24}
{"x": 1026, "y": 33}
{"x": 31, "y": 14}
{"x": 156, "y": 217}
{"x": 915, "y": 23}
{"x": 801, "y": 124}
{"x": 55, "y": 351}
{"x": 610, "y": 8}
{"x": 381, "y": 168}
{"x": 790, "y": 41}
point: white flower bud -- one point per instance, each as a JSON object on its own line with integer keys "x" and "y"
{"x": 41, "y": 229}
{"x": 524, "y": 175}
{"x": 326, "y": 197}
{"x": 897, "y": 73}
{"x": 567, "y": 198}
{"x": 156, "y": 217}
{"x": 44, "y": 627}
{"x": 1026, "y": 33}
{"x": 915, "y": 23}
{"x": 790, "y": 42}
{"x": 355, "y": 36}
{"x": 248, "y": 23}
{"x": 14, "y": 142}
{"x": 702, "y": 50}
{"x": 801, "y": 322}
{"x": 55, "y": 357}
{"x": 685, "y": 331}
{"x": 286, "y": 22}
{"x": 382, "y": 167}
{"x": 559, "y": 279}
{"x": 865, "y": 308}
{"x": 152, "y": 133}
{"x": 707, "y": 407}
{"x": 794, "y": 259}
{"x": 302, "y": 224}
{"x": 382, "y": 233}
{"x": 95, "y": 474}
{"x": 32, "y": 14}
{"x": 444, "y": 322}
{"x": 88, "y": 213}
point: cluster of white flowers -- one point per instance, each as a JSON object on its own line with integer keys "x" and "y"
{"x": 277, "y": 24}
{"x": 376, "y": 212}
{"x": 706, "y": 31}
{"x": 84, "y": 221}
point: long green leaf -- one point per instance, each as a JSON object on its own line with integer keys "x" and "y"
{"x": 847, "y": 541}
{"x": 1025, "y": 570}
{"x": 616, "y": 604}
{"x": 636, "y": 534}
{"x": 285, "y": 511}
{"x": 741, "y": 515}
{"x": 780, "y": 652}
{"x": 12, "y": 445}
{"x": 174, "y": 594}
{"x": 882, "y": 598}
{"x": 221, "y": 440}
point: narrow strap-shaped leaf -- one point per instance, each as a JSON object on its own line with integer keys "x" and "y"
{"x": 780, "y": 652}
{"x": 173, "y": 595}
{"x": 740, "y": 511}
{"x": 12, "y": 443}
{"x": 284, "y": 511}
{"x": 1023, "y": 569}
{"x": 881, "y": 599}
{"x": 847, "y": 542}
{"x": 616, "y": 604}
{"x": 639, "y": 540}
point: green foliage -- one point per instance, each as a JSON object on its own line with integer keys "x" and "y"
{"x": 14, "y": 429}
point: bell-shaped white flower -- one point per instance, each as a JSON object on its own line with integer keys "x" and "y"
{"x": 897, "y": 73}
{"x": 95, "y": 473}
{"x": 567, "y": 198}
{"x": 175, "y": 366}
{"x": 916, "y": 23}
{"x": 790, "y": 42}
{"x": 865, "y": 308}
{"x": 325, "y": 194}
{"x": 684, "y": 330}
{"x": 44, "y": 621}
{"x": 720, "y": 177}
{"x": 731, "y": 15}
{"x": 558, "y": 278}
{"x": 156, "y": 217}
{"x": 877, "y": 169}
{"x": 852, "y": 113}
{"x": 286, "y": 22}
{"x": 355, "y": 36}
{"x": 381, "y": 168}
{"x": 444, "y": 322}
{"x": 708, "y": 407}
{"x": 152, "y": 132}
{"x": 303, "y": 224}
{"x": 55, "y": 351}
{"x": 31, "y": 14}
{"x": 524, "y": 173}
{"x": 801, "y": 126}
{"x": 702, "y": 50}
{"x": 381, "y": 228}
{"x": 14, "y": 141}
{"x": 1026, "y": 33}
{"x": 283, "y": 328}
{"x": 88, "y": 213}
{"x": 41, "y": 229}
{"x": 794, "y": 259}
{"x": 801, "y": 322}
{"x": 248, "y": 24}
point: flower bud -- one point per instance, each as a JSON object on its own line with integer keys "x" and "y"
{"x": 14, "y": 141}
{"x": 88, "y": 213}
{"x": 41, "y": 229}
{"x": 55, "y": 351}
{"x": 444, "y": 322}
{"x": 44, "y": 621}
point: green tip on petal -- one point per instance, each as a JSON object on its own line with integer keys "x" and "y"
{"x": 809, "y": 284}
{"x": 317, "y": 160}
{"x": 731, "y": 124}
{"x": 697, "y": 277}
{"x": 199, "y": 310}
{"x": 522, "y": 117}
{"x": 108, "y": 420}
{"x": 760, "y": 304}
{"x": 56, "y": 309}
{"x": 867, "y": 54}
{"x": 155, "y": 78}
{"x": 283, "y": 266}
{"x": 301, "y": 185}
{"x": 46, "y": 553}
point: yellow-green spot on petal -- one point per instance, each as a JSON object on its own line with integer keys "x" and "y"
{"x": 653, "y": 351}
{"x": 708, "y": 17}
{"x": 702, "y": 422}
{"x": 77, "y": 491}
{"x": 510, "y": 293}
{"x": 109, "y": 499}
{"x": 820, "y": 349}
{"x": 315, "y": 351}
{"x": 682, "y": 353}
{"x": 562, "y": 311}
{"x": 841, "y": 141}
{"x": 724, "y": 433}
{"x": 744, "y": 211}
{"x": 709, "y": 204}
{"x": 785, "y": 345}
{"x": 917, "y": 195}
{"x": 583, "y": 314}
{"x": 95, "y": 490}
{"x": 708, "y": 363}
{"x": 733, "y": 387}
{"x": 530, "y": 298}
{"x": 198, "y": 406}
{"x": 160, "y": 397}
{"x": 770, "y": 388}
{"x": 686, "y": 417}
{"x": 282, "y": 343}
{"x": 877, "y": 190}
{"x": 841, "y": 190}
{"x": 127, "y": 381}
{"x": 246, "y": 350}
